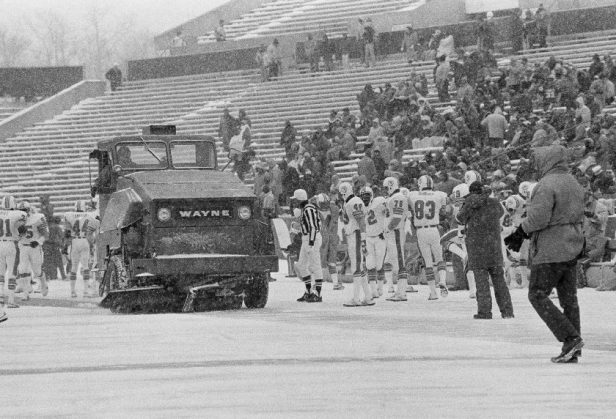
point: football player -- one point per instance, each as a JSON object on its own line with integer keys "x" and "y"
{"x": 353, "y": 217}
{"x": 328, "y": 212}
{"x": 426, "y": 206}
{"x": 82, "y": 226}
{"x": 395, "y": 236}
{"x": 376, "y": 211}
{"x": 31, "y": 236}
{"x": 515, "y": 212}
{"x": 10, "y": 222}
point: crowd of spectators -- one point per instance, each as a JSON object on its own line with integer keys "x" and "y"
{"x": 497, "y": 116}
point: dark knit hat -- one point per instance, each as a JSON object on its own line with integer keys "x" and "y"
{"x": 475, "y": 187}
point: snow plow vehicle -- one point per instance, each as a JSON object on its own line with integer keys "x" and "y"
{"x": 176, "y": 232}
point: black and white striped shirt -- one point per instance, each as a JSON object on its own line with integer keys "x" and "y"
{"x": 311, "y": 223}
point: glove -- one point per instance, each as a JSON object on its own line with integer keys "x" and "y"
{"x": 514, "y": 240}
{"x": 364, "y": 249}
{"x": 34, "y": 244}
{"x": 310, "y": 243}
{"x": 589, "y": 214}
{"x": 22, "y": 230}
{"x": 381, "y": 236}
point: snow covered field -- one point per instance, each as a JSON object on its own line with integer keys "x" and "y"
{"x": 413, "y": 359}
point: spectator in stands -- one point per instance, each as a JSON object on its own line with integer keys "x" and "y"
{"x": 327, "y": 51}
{"x": 517, "y": 31}
{"x": 226, "y": 128}
{"x": 446, "y": 183}
{"x": 496, "y": 125}
{"x": 380, "y": 165}
{"x": 465, "y": 90}
{"x": 276, "y": 184}
{"x": 409, "y": 44}
{"x": 542, "y": 19}
{"x": 288, "y": 137}
{"x": 596, "y": 66}
{"x": 241, "y": 115}
{"x": 310, "y": 48}
{"x": 348, "y": 119}
{"x": 441, "y": 79}
{"x": 269, "y": 204}
{"x": 261, "y": 59}
{"x": 274, "y": 59}
{"x": 583, "y": 112}
{"x": 369, "y": 37}
{"x": 367, "y": 168}
{"x": 485, "y": 34}
{"x": 262, "y": 177}
{"x": 530, "y": 27}
{"x": 346, "y": 46}
{"x": 359, "y": 37}
{"x": 178, "y": 40}
{"x": 114, "y": 75}
{"x": 219, "y": 32}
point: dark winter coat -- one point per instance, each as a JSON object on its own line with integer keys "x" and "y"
{"x": 481, "y": 215}
{"x": 555, "y": 211}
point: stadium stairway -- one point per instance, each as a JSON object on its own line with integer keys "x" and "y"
{"x": 9, "y": 109}
{"x": 51, "y": 157}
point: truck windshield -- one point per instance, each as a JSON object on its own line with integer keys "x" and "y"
{"x": 136, "y": 155}
{"x": 193, "y": 154}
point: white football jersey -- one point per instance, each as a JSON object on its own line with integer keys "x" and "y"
{"x": 37, "y": 229}
{"x": 352, "y": 211}
{"x": 376, "y": 215}
{"x": 81, "y": 224}
{"x": 426, "y": 206}
{"x": 397, "y": 207}
{"x": 10, "y": 220}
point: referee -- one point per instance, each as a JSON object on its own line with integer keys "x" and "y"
{"x": 309, "y": 263}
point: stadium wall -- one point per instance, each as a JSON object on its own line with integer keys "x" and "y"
{"x": 50, "y": 107}
{"x": 37, "y": 81}
{"x": 207, "y": 22}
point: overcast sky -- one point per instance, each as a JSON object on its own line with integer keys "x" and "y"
{"x": 157, "y": 15}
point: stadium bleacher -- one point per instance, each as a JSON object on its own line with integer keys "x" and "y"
{"x": 51, "y": 157}
{"x": 284, "y": 17}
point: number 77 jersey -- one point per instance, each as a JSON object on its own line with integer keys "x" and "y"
{"x": 425, "y": 206}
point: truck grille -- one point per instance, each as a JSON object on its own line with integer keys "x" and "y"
{"x": 232, "y": 240}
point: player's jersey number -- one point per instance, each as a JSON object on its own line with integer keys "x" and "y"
{"x": 424, "y": 209}
{"x": 5, "y": 228}
{"x": 371, "y": 217}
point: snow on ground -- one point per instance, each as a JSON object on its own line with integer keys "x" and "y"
{"x": 412, "y": 359}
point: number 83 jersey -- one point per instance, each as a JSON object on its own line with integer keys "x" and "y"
{"x": 425, "y": 206}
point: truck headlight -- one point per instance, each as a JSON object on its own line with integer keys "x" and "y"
{"x": 164, "y": 214}
{"x": 243, "y": 212}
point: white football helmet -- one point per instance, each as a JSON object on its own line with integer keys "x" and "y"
{"x": 425, "y": 182}
{"x": 391, "y": 183}
{"x": 526, "y": 189}
{"x": 8, "y": 202}
{"x": 24, "y": 206}
{"x": 472, "y": 176}
{"x": 513, "y": 203}
{"x": 345, "y": 190}
{"x": 459, "y": 192}
{"x": 322, "y": 201}
{"x": 366, "y": 194}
